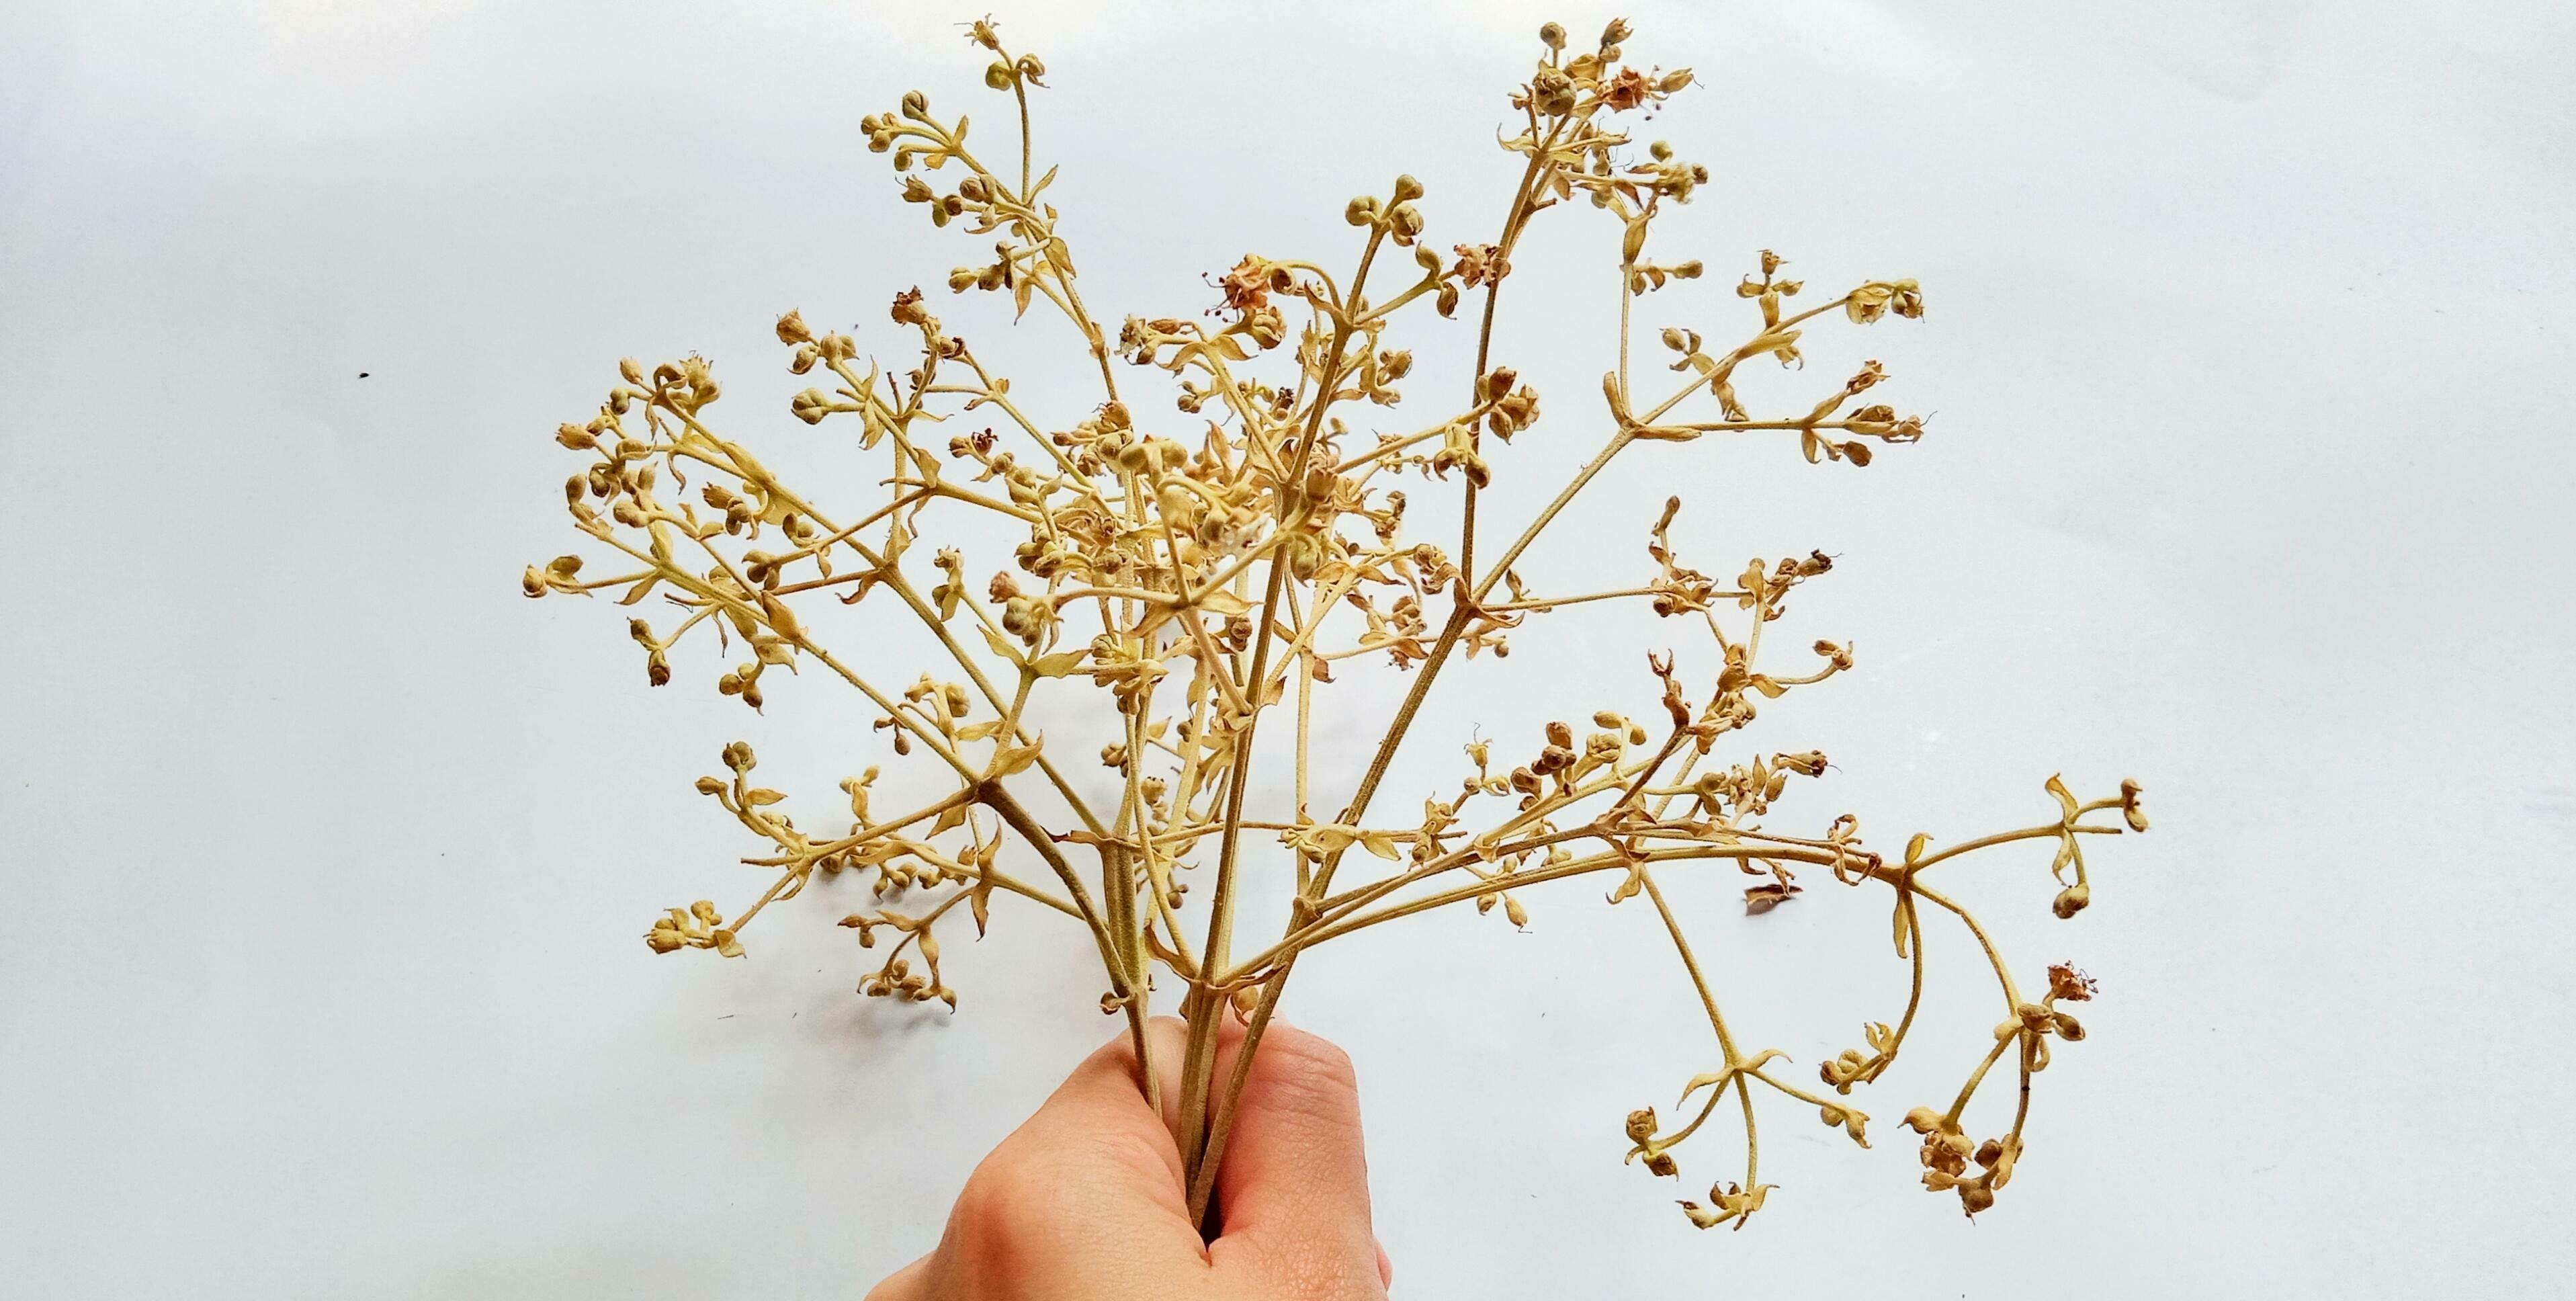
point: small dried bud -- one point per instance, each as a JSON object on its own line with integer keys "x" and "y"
{"x": 2071, "y": 900}
{"x": 1552, "y": 92}
{"x": 1026, "y": 619}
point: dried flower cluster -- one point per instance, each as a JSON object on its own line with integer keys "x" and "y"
{"x": 1204, "y": 571}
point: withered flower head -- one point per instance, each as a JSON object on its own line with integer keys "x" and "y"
{"x": 1626, "y": 90}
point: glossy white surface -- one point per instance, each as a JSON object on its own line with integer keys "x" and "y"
{"x": 326, "y": 854}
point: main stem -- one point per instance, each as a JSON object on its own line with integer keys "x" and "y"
{"x": 1203, "y": 1156}
{"x": 1206, "y": 1006}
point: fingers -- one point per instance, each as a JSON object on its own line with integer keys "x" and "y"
{"x": 1086, "y": 1196}
{"x": 1168, "y": 1039}
{"x": 1086, "y": 1199}
{"x": 1292, "y": 1186}
{"x": 1095, "y": 1143}
{"x": 1101, "y": 1099}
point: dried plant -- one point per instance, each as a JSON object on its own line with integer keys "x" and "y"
{"x": 1180, "y": 579}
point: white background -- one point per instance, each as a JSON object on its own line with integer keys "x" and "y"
{"x": 325, "y": 855}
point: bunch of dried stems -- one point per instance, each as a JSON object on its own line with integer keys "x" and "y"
{"x": 1192, "y": 574}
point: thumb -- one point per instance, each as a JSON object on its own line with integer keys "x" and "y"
{"x": 1085, "y": 1199}
{"x": 1292, "y": 1185}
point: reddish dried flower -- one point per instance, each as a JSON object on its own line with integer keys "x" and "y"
{"x": 2069, "y": 984}
{"x": 1627, "y": 90}
{"x": 1247, "y": 288}
{"x": 1480, "y": 264}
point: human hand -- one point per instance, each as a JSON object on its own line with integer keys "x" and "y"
{"x": 1085, "y": 1201}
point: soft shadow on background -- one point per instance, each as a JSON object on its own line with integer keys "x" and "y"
{"x": 328, "y": 855}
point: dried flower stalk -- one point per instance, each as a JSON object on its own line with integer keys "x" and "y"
{"x": 1190, "y": 582}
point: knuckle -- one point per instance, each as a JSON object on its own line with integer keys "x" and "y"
{"x": 1310, "y": 1061}
{"x": 987, "y": 1233}
{"x": 984, "y": 1204}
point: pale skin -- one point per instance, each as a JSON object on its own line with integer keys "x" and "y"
{"x": 1089, "y": 1199}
